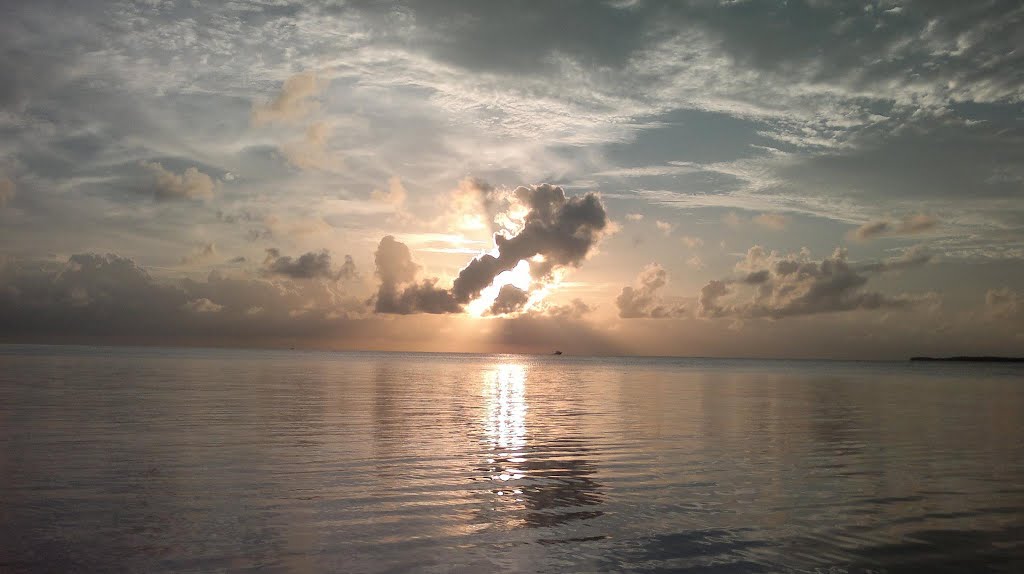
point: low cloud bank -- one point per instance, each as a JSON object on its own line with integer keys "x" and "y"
{"x": 778, "y": 286}
{"x": 642, "y": 300}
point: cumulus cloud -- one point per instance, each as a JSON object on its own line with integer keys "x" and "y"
{"x": 293, "y": 102}
{"x": 561, "y": 230}
{"x": 910, "y": 225}
{"x": 780, "y": 286}
{"x": 191, "y": 184}
{"x": 510, "y": 299}
{"x": 574, "y": 309}
{"x": 311, "y": 265}
{"x": 541, "y": 226}
{"x": 642, "y": 299}
{"x": 399, "y": 292}
{"x": 664, "y": 227}
{"x": 202, "y": 305}
{"x": 7, "y": 191}
{"x": 634, "y": 216}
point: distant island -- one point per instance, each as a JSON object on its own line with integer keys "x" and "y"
{"x": 967, "y": 359}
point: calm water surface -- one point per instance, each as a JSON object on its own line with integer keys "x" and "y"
{"x": 151, "y": 460}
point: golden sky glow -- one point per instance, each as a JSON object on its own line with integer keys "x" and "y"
{"x": 688, "y": 188}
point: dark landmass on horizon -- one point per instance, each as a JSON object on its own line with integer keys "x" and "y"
{"x": 968, "y": 359}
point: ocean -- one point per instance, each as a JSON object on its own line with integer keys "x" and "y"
{"x": 201, "y": 460}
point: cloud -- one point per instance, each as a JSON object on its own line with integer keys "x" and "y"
{"x": 395, "y": 196}
{"x": 192, "y": 184}
{"x": 913, "y": 257}
{"x": 794, "y": 285}
{"x": 562, "y": 230}
{"x": 773, "y": 221}
{"x": 691, "y": 241}
{"x": 93, "y": 295}
{"x": 542, "y": 226}
{"x": 510, "y": 299}
{"x": 7, "y": 191}
{"x": 664, "y": 227}
{"x": 399, "y": 293}
{"x": 312, "y": 265}
{"x": 910, "y": 225}
{"x": 310, "y": 151}
{"x": 200, "y": 253}
{"x": 1004, "y": 303}
{"x": 291, "y": 104}
{"x": 575, "y": 309}
{"x": 473, "y": 205}
{"x": 202, "y": 305}
{"x": 642, "y": 299}
{"x": 732, "y": 220}
{"x": 634, "y": 216}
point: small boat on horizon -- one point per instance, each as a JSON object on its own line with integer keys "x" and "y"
{"x": 557, "y": 353}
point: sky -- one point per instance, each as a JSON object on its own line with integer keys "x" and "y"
{"x": 696, "y": 178}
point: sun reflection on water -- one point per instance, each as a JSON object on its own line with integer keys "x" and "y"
{"x": 539, "y": 475}
{"x": 505, "y": 390}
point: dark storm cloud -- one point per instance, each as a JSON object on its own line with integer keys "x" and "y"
{"x": 312, "y": 265}
{"x": 562, "y": 230}
{"x": 794, "y": 285}
{"x": 399, "y": 293}
{"x": 642, "y": 300}
{"x": 510, "y": 299}
{"x": 108, "y": 295}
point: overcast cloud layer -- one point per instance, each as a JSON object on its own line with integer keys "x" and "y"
{"x": 688, "y": 177}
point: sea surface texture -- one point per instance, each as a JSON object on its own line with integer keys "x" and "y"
{"x": 172, "y": 460}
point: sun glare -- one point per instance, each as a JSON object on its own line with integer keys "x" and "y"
{"x": 518, "y": 276}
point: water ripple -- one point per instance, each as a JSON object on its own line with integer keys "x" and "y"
{"x": 177, "y": 460}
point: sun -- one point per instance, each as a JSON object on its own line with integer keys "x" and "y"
{"x": 518, "y": 276}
